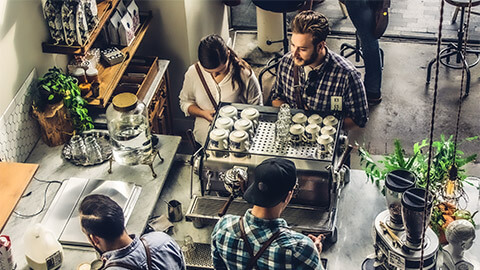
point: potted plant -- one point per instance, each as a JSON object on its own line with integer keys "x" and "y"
{"x": 442, "y": 168}
{"x": 59, "y": 107}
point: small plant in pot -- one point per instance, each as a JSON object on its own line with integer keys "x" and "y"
{"x": 53, "y": 88}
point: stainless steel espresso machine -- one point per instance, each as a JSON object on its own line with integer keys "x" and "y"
{"x": 398, "y": 231}
{"x": 225, "y": 173}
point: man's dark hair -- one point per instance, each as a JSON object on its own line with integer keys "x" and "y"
{"x": 101, "y": 216}
{"x": 311, "y": 22}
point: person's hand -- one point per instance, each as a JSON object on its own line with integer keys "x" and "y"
{"x": 318, "y": 241}
{"x": 208, "y": 114}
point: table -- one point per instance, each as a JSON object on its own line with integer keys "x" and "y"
{"x": 54, "y": 167}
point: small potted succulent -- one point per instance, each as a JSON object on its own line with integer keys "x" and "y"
{"x": 59, "y": 107}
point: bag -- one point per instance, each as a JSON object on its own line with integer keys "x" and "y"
{"x": 381, "y": 17}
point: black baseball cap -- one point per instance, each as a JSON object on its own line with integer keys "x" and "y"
{"x": 274, "y": 178}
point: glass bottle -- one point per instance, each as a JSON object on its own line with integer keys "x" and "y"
{"x": 129, "y": 130}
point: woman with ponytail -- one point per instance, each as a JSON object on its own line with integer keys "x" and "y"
{"x": 219, "y": 76}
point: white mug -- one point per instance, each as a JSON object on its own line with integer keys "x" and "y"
{"x": 296, "y": 133}
{"x": 328, "y": 130}
{"x": 246, "y": 125}
{"x": 311, "y": 133}
{"x": 299, "y": 118}
{"x": 219, "y": 139}
{"x": 251, "y": 114}
{"x": 239, "y": 142}
{"x": 224, "y": 123}
{"x": 229, "y": 111}
{"x": 315, "y": 119}
{"x": 325, "y": 146}
{"x": 330, "y": 120}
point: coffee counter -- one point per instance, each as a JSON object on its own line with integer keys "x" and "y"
{"x": 54, "y": 167}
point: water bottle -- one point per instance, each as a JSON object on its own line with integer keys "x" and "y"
{"x": 130, "y": 136}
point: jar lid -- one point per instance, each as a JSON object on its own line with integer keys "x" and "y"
{"x": 124, "y": 102}
{"x": 399, "y": 180}
{"x": 414, "y": 199}
{"x": 78, "y": 72}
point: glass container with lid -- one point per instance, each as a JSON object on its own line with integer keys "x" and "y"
{"x": 129, "y": 130}
{"x": 396, "y": 182}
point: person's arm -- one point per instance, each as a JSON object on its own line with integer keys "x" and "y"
{"x": 306, "y": 256}
{"x": 218, "y": 262}
{"x": 356, "y": 106}
{"x": 194, "y": 110}
{"x": 278, "y": 91}
{"x": 254, "y": 93}
{"x": 188, "y": 98}
{"x": 277, "y": 102}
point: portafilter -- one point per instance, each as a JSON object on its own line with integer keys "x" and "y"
{"x": 234, "y": 180}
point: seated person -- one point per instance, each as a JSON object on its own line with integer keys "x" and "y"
{"x": 312, "y": 77}
{"x": 234, "y": 239}
{"x": 227, "y": 77}
{"x": 103, "y": 222}
{"x": 460, "y": 235}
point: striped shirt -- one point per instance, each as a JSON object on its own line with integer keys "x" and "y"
{"x": 290, "y": 250}
{"x": 336, "y": 77}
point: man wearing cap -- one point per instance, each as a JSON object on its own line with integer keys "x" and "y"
{"x": 261, "y": 239}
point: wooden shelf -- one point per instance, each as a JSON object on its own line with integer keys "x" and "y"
{"x": 109, "y": 76}
{"x": 105, "y": 10}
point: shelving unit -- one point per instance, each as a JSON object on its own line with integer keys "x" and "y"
{"x": 105, "y": 10}
{"x": 109, "y": 76}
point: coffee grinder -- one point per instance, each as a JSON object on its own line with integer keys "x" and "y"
{"x": 398, "y": 230}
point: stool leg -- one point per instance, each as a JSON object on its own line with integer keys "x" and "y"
{"x": 344, "y": 9}
{"x": 455, "y": 15}
{"x": 429, "y": 69}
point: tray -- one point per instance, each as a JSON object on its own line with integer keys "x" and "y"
{"x": 102, "y": 140}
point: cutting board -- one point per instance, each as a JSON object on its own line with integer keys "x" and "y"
{"x": 14, "y": 178}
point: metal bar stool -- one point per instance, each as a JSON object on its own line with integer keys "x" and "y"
{"x": 456, "y": 49}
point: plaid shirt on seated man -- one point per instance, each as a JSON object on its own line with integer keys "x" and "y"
{"x": 236, "y": 247}
{"x": 335, "y": 77}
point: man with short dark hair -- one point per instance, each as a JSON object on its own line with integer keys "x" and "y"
{"x": 260, "y": 238}
{"x": 103, "y": 222}
{"x": 312, "y": 77}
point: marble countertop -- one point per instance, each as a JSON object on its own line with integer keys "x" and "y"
{"x": 54, "y": 167}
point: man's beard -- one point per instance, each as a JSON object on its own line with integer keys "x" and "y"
{"x": 306, "y": 62}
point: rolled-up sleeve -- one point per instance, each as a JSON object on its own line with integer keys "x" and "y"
{"x": 356, "y": 100}
{"x": 187, "y": 94}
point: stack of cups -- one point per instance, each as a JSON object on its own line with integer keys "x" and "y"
{"x": 251, "y": 114}
{"x": 282, "y": 124}
{"x": 312, "y": 130}
{"x": 223, "y": 127}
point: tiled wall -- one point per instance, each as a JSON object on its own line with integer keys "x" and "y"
{"x": 19, "y": 132}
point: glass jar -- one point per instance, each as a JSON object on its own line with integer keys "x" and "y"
{"x": 92, "y": 75}
{"x": 130, "y": 136}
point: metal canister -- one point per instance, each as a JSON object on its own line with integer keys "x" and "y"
{"x": 6, "y": 259}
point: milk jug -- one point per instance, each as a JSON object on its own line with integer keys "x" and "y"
{"x": 42, "y": 250}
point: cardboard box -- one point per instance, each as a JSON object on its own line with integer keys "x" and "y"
{"x": 126, "y": 33}
{"x": 132, "y": 9}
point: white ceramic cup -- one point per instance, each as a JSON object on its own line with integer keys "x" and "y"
{"x": 311, "y": 133}
{"x": 224, "y": 123}
{"x": 325, "y": 146}
{"x": 229, "y": 111}
{"x": 296, "y": 133}
{"x": 239, "y": 141}
{"x": 315, "y": 119}
{"x": 328, "y": 130}
{"x": 219, "y": 139}
{"x": 246, "y": 125}
{"x": 251, "y": 114}
{"x": 299, "y": 118}
{"x": 330, "y": 120}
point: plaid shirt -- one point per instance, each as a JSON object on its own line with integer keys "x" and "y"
{"x": 335, "y": 77}
{"x": 290, "y": 250}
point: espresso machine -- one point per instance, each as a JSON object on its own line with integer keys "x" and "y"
{"x": 397, "y": 232}
{"x": 224, "y": 174}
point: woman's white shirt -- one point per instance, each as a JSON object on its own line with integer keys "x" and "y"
{"x": 193, "y": 92}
